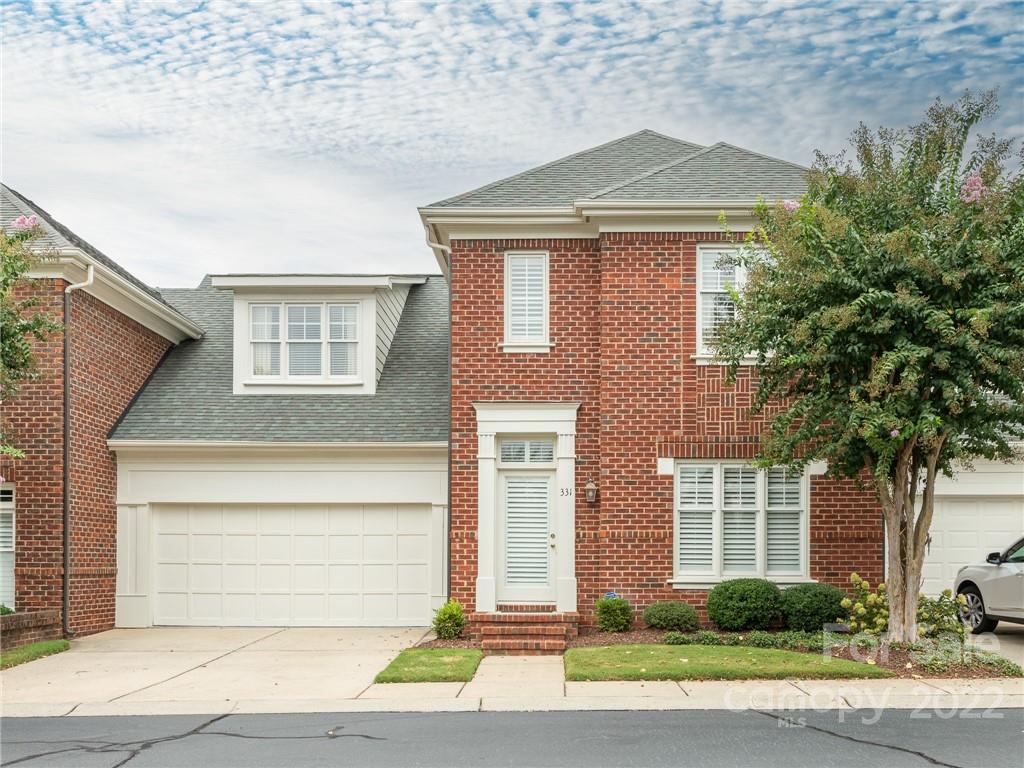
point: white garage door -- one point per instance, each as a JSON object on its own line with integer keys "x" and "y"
{"x": 965, "y": 530}
{"x": 304, "y": 565}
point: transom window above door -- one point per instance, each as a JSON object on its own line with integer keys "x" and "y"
{"x": 734, "y": 520}
{"x": 536, "y": 451}
{"x": 305, "y": 341}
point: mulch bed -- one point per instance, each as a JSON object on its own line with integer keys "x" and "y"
{"x": 460, "y": 642}
{"x": 590, "y": 636}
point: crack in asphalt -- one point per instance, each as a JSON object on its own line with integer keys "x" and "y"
{"x": 135, "y": 748}
{"x": 923, "y": 755}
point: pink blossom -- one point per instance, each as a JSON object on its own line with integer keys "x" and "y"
{"x": 973, "y": 188}
{"x": 1, "y": 479}
{"x": 790, "y": 205}
{"x": 895, "y": 433}
{"x": 25, "y": 222}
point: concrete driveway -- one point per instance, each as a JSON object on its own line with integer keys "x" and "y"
{"x": 1007, "y": 640}
{"x": 202, "y": 669}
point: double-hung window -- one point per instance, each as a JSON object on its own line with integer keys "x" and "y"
{"x": 7, "y": 545}
{"x": 715, "y": 281}
{"x": 735, "y": 520}
{"x": 526, "y": 300}
{"x": 307, "y": 341}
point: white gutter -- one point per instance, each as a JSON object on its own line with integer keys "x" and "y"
{"x": 183, "y": 445}
{"x": 441, "y": 252}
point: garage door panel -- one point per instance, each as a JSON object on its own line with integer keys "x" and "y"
{"x": 292, "y": 565}
{"x": 963, "y": 531}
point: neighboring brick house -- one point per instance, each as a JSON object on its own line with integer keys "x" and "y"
{"x": 117, "y": 331}
{"x": 583, "y": 293}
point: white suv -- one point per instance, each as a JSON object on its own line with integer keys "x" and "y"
{"x": 993, "y": 590}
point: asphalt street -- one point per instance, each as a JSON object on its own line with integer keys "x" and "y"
{"x": 859, "y": 739}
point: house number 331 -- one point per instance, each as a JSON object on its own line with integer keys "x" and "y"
{"x": 566, "y": 491}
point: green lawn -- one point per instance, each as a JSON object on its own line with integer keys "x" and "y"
{"x": 31, "y": 652}
{"x": 703, "y": 662}
{"x": 432, "y": 665}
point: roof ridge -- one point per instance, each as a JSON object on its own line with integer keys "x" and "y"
{"x": 572, "y": 156}
{"x": 766, "y": 157}
{"x": 659, "y": 169}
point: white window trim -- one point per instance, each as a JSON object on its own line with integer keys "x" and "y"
{"x": 14, "y": 539}
{"x": 365, "y": 380}
{"x": 543, "y": 342}
{"x": 704, "y": 353}
{"x": 707, "y": 579}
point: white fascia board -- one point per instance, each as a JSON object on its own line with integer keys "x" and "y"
{"x": 187, "y": 446}
{"x": 313, "y": 281}
{"x": 109, "y": 287}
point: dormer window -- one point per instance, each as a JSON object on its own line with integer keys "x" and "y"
{"x": 320, "y": 340}
{"x": 313, "y": 334}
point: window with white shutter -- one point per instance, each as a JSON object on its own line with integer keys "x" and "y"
{"x": 715, "y": 304}
{"x": 735, "y": 520}
{"x": 696, "y": 518}
{"x": 7, "y": 546}
{"x": 526, "y": 299}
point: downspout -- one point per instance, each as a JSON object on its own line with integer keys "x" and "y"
{"x": 66, "y": 575}
{"x": 448, "y": 528}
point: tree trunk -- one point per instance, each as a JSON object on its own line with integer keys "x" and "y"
{"x": 906, "y": 534}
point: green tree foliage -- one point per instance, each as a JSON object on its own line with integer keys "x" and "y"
{"x": 20, "y": 321}
{"x": 886, "y": 313}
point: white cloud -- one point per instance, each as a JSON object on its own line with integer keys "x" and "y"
{"x": 268, "y": 136}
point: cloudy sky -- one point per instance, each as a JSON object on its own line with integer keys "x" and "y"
{"x": 191, "y": 137}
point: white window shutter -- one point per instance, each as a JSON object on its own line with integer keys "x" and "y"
{"x": 527, "y": 299}
{"x": 696, "y": 518}
{"x": 783, "y": 521}
{"x": 739, "y": 519}
{"x": 7, "y": 545}
{"x": 527, "y": 502}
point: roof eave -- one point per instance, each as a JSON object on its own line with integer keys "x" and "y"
{"x": 170, "y": 323}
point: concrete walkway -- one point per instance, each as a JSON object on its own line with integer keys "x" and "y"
{"x": 273, "y": 683}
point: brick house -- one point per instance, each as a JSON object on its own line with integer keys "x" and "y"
{"x": 117, "y": 331}
{"x": 539, "y": 425}
{"x": 583, "y": 294}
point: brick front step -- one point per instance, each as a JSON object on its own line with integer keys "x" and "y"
{"x": 524, "y": 618}
{"x": 516, "y": 630}
{"x": 504, "y": 645}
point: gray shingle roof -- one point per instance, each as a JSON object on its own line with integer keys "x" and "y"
{"x": 55, "y": 235}
{"x": 189, "y": 396}
{"x": 577, "y": 176}
{"x": 720, "y": 172}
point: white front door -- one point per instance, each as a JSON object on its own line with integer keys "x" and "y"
{"x": 526, "y": 561}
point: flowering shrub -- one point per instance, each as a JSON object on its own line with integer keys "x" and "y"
{"x": 868, "y": 610}
{"x": 941, "y": 616}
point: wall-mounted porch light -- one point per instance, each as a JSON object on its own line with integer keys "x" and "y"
{"x": 590, "y": 491}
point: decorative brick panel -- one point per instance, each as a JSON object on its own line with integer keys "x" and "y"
{"x": 623, "y": 323}
{"x": 111, "y": 357}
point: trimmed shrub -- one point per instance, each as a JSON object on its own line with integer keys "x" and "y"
{"x": 5, "y": 611}
{"x": 614, "y": 614}
{"x": 707, "y": 637}
{"x": 672, "y": 614}
{"x": 758, "y": 638}
{"x": 449, "y": 621}
{"x": 741, "y": 604}
{"x": 677, "y": 638}
{"x": 809, "y": 607}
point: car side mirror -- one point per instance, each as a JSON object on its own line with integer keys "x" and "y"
{"x": 995, "y": 558}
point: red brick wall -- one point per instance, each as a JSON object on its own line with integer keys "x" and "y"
{"x": 623, "y": 320}
{"x": 111, "y": 356}
{"x": 35, "y": 420}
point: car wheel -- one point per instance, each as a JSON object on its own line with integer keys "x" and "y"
{"x": 973, "y": 611}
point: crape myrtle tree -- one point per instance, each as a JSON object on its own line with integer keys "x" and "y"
{"x": 885, "y": 310}
{"x": 20, "y": 321}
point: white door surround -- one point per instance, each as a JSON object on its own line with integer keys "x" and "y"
{"x": 494, "y": 420}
